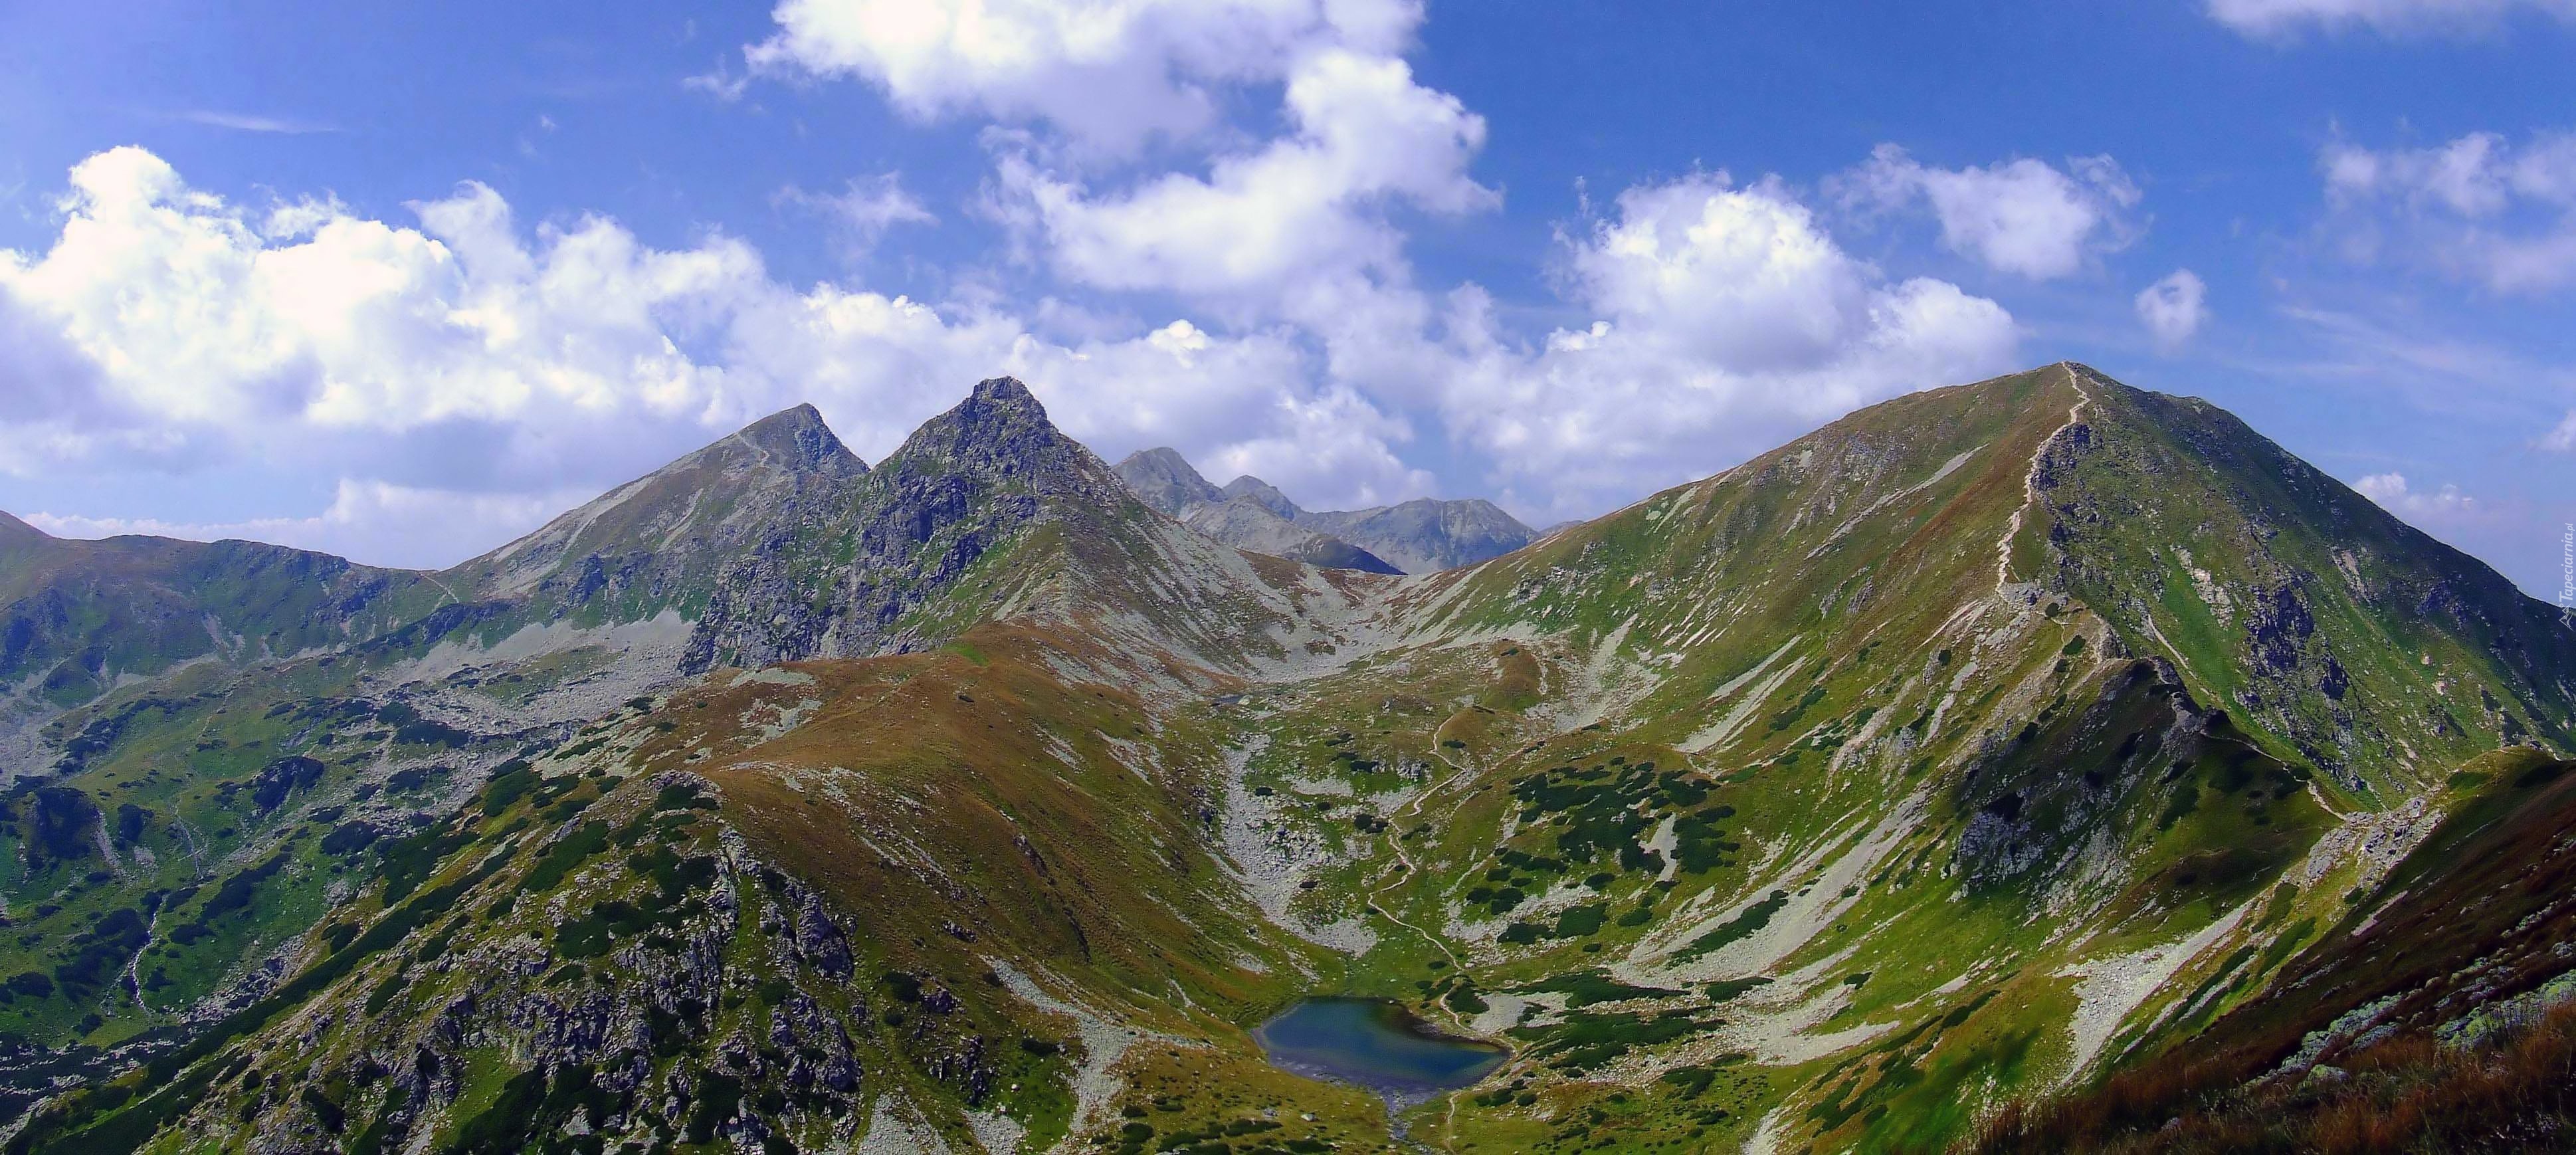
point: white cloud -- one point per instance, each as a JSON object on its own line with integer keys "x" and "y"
{"x": 1330, "y": 451}
{"x": 253, "y": 122}
{"x": 1728, "y": 320}
{"x": 197, "y": 315}
{"x": 1726, "y": 317}
{"x": 2563, "y": 438}
{"x": 2280, "y": 18}
{"x": 2022, "y": 216}
{"x": 168, "y": 325}
{"x": 863, "y": 211}
{"x": 2394, "y": 495}
{"x": 1300, "y": 209}
{"x": 1110, "y": 73}
{"x": 2476, "y": 206}
{"x": 2175, "y": 308}
{"x": 1293, "y": 229}
{"x": 2477, "y": 175}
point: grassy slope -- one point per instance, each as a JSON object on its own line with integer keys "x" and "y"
{"x": 78, "y": 616}
{"x": 2369, "y": 650}
{"x": 2070, "y": 807}
{"x": 2476, "y": 916}
{"x": 992, "y": 821}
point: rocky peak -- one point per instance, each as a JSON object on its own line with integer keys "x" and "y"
{"x": 999, "y": 431}
{"x": 665, "y": 531}
{"x": 798, "y": 439}
{"x": 1005, "y": 391}
{"x": 1419, "y": 536}
{"x": 1166, "y": 481}
{"x": 964, "y": 485}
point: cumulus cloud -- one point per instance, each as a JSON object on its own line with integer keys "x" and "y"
{"x": 1291, "y": 230}
{"x": 2175, "y": 308}
{"x": 1727, "y": 319}
{"x": 2477, "y": 206}
{"x": 1299, "y": 208}
{"x": 1109, "y": 73}
{"x": 199, "y": 314}
{"x": 471, "y": 354}
{"x": 2393, "y": 494}
{"x": 1723, "y": 317}
{"x": 1331, "y": 451}
{"x": 2478, "y": 175}
{"x": 2280, "y": 18}
{"x": 2022, "y": 216}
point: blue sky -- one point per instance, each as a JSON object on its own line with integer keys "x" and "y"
{"x": 401, "y": 284}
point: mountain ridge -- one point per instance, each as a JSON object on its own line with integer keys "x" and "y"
{"x": 1974, "y": 744}
{"x": 1422, "y": 535}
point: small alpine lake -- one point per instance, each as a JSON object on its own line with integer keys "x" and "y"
{"x": 1376, "y": 1044}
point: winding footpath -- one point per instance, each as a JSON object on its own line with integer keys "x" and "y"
{"x": 1405, "y": 870}
{"x": 1406, "y": 867}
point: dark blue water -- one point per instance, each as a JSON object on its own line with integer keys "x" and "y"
{"x": 1375, "y": 1044}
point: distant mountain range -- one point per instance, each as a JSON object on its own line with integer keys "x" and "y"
{"x": 1418, "y": 536}
{"x": 2037, "y": 764}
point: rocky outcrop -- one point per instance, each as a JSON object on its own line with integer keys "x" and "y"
{"x": 965, "y": 484}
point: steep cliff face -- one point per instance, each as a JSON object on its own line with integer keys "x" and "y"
{"x": 966, "y": 485}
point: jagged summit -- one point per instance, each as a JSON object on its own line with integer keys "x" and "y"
{"x": 798, "y": 439}
{"x": 791, "y": 441}
{"x": 1000, "y": 429}
{"x": 1004, "y": 390}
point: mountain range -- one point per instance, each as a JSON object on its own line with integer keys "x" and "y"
{"x": 1418, "y": 536}
{"x": 1966, "y": 772}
